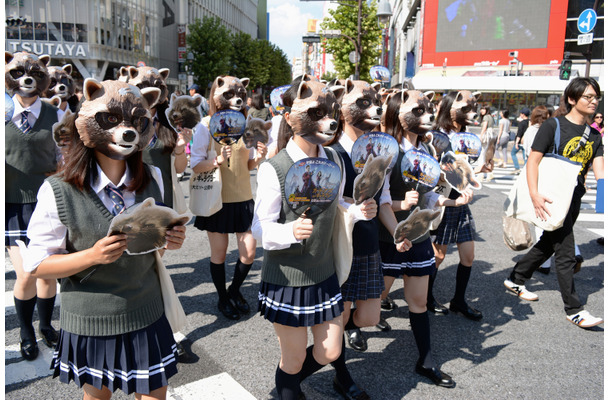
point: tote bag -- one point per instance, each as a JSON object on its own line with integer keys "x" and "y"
{"x": 557, "y": 177}
{"x": 517, "y": 234}
{"x": 171, "y": 304}
{"x": 205, "y": 189}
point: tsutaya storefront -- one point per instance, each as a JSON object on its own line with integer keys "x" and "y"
{"x": 96, "y": 36}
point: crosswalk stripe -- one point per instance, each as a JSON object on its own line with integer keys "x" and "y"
{"x": 21, "y": 371}
{"x": 590, "y": 217}
{"x": 220, "y": 386}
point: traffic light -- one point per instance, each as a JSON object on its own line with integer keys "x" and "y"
{"x": 565, "y": 70}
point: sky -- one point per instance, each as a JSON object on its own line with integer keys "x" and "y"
{"x": 288, "y": 23}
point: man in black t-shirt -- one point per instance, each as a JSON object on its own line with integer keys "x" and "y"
{"x": 582, "y": 96}
{"x": 521, "y": 128}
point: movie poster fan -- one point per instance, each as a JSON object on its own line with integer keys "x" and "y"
{"x": 227, "y": 126}
{"x": 312, "y": 184}
{"x": 375, "y": 143}
{"x": 466, "y": 143}
{"x": 420, "y": 167}
{"x": 276, "y": 97}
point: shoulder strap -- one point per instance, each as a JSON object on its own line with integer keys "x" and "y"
{"x": 557, "y": 134}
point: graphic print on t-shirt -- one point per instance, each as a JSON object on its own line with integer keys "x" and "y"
{"x": 584, "y": 154}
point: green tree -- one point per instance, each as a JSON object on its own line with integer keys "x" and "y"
{"x": 210, "y": 42}
{"x": 345, "y": 18}
{"x": 328, "y": 76}
{"x": 243, "y": 53}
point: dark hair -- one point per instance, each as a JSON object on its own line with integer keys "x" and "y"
{"x": 562, "y": 109}
{"x": 285, "y": 131}
{"x": 505, "y": 113}
{"x": 577, "y": 87}
{"x": 391, "y": 120}
{"x": 601, "y": 124}
{"x": 444, "y": 120}
{"x": 167, "y": 136}
{"x": 257, "y": 101}
{"x": 539, "y": 115}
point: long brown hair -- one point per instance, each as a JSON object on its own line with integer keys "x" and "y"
{"x": 392, "y": 118}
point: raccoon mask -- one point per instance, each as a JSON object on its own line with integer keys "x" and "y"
{"x": 416, "y": 111}
{"x": 361, "y": 105}
{"x": 26, "y": 74}
{"x": 465, "y": 107}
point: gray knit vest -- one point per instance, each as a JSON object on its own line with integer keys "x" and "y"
{"x": 120, "y": 297}
{"x": 30, "y": 157}
{"x": 288, "y": 267}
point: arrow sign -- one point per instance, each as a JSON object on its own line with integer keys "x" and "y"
{"x": 587, "y": 20}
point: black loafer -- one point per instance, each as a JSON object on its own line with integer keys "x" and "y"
{"x": 545, "y": 271}
{"x": 388, "y": 304}
{"x": 356, "y": 340}
{"x": 49, "y": 336}
{"x": 437, "y": 308}
{"x": 29, "y": 349}
{"x": 578, "y": 265}
{"x": 383, "y": 325}
{"x": 438, "y": 377}
{"x": 239, "y": 302}
{"x": 228, "y": 310}
{"x": 466, "y": 310}
{"x": 351, "y": 393}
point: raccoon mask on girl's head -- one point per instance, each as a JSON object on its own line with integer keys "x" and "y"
{"x": 314, "y": 111}
{"x": 361, "y": 104}
{"x": 416, "y": 111}
{"x": 26, "y": 74}
{"x": 229, "y": 92}
{"x": 62, "y": 84}
{"x": 465, "y": 107}
{"x": 144, "y": 77}
{"x": 115, "y": 119}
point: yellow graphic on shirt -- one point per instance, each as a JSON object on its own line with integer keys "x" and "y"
{"x": 584, "y": 154}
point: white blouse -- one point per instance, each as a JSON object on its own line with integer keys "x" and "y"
{"x": 46, "y": 232}
{"x": 271, "y": 234}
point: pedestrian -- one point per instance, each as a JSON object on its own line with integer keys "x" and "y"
{"x": 114, "y": 333}
{"x": 193, "y": 89}
{"x": 299, "y": 286}
{"x": 235, "y": 216}
{"x": 598, "y": 123}
{"x": 503, "y": 137}
{"x": 521, "y": 127}
{"x": 416, "y": 265}
{"x": 488, "y": 138}
{"x": 364, "y": 285}
{"x": 582, "y": 96}
{"x": 30, "y": 156}
{"x": 457, "y": 226}
{"x": 258, "y": 109}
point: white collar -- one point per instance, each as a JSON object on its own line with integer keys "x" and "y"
{"x": 347, "y": 143}
{"x": 34, "y": 109}
{"x": 101, "y": 181}
{"x": 295, "y": 152}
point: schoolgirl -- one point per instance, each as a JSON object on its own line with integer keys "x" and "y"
{"x": 114, "y": 334}
{"x": 300, "y": 291}
{"x": 237, "y": 204}
{"x": 457, "y": 226}
{"x": 417, "y": 264}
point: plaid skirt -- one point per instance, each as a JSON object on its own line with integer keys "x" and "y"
{"x": 302, "y": 305}
{"x": 16, "y": 221}
{"x": 457, "y": 226}
{"x": 365, "y": 280}
{"x": 417, "y": 261}
{"x": 232, "y": 218}
{"x": 139, "y": 361}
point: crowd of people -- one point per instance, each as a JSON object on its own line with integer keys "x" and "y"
{"x": 119, "y": 149}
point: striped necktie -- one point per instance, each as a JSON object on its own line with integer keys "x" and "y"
{"x": 25, "y": 125}
{"x": 116, "y": 196}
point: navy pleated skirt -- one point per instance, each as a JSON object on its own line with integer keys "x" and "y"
{"x": 140, "y": 361}
{"x": 301, "y": 306}
{"x": 232, "y": 218}
{"x": 417, "y": 261}
{"x": 365, "y": 280}
{"x": 16, "y": 221}
{"x": 457, "y": 226}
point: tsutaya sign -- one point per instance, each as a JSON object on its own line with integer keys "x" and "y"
{"x": 54, "y": 49}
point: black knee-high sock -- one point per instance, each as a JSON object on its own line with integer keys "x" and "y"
{"x": 420, "y": 325}
{"x": 25, "y": 314}
{"x": 219, "y": 279}
{"x": 310, "y": 365}
{"x": 288, "y": 386}
{"x": 343, "y": 376}
{"x": 461, "y": 282}
{"x": 241, "y": 271}
{"x": 45, "y": 311}
{"x": 431, "y": 279}
{"x": 350, "y": 322}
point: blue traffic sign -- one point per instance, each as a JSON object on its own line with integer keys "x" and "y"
{"x": 587, "y": 20}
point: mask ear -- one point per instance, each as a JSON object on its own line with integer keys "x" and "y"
{"x": 268, "y": 125}
{"x": 67, "y": 68}
{"x": 133, "y": 72}
{"x": 349, "y": 85}
{"x": 404, "y": 96}
{"x": 338, "y": 91}
{"x": 376, "y": 86}
{"x": 429, "y": 94}
{"x": 173, "y": 97}
{"x": 197, "y": 99}
{"x": 45, "y": 59}
{"x": 219, "y": 82}
{"x": 303, "y": 87}
{"x": 151, "y": 95}
{"x": 164, "y": 72}
{"x": 245, "y": 82}
{"x": 8, "y": 57}
{"x": 123, "y": 74}
{"x": 476, "y": 95}
{"x": 459, "y": 97}
{"x": 90, "y": 87}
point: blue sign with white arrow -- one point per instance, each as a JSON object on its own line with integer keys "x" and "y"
{"x": 587, "y": 20}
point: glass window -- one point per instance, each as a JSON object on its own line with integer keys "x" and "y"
{"x": 54, "y": 19}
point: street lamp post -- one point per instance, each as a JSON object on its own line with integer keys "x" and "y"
{"x": 384, "y": 13}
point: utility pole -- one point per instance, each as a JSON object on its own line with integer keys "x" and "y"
{"x": 358, "y": 41}
{"x": 589, "y": 51}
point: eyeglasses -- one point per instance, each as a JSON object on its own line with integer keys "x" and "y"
{"x": 598, "y": 117}
{"x": 591, "y": 97}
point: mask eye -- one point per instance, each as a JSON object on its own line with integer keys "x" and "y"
{"x": 140, "y": 123}
{"x": 228, "y": 95}
{"x": 466, "y": 109}
{"x": 315, "y": 114}
{"x": 363, "y": 103}
{"x": 418, "y": 111}
{"x": 64, "y": 81}
{"x": 17, "y": 73}
{"x": 53, "y": 83}
{"x": 108, "y": 120}
{"x": 38, "y": 75}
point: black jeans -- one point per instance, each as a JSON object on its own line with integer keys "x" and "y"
{"x": 560, "y": 242}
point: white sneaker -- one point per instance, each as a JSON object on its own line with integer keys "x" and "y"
{"x": 520, "y": 291}
{"x": 584, "y": 319}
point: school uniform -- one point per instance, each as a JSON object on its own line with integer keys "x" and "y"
{"x": 113, "y": 329}
{"x": 296, "y": 289}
